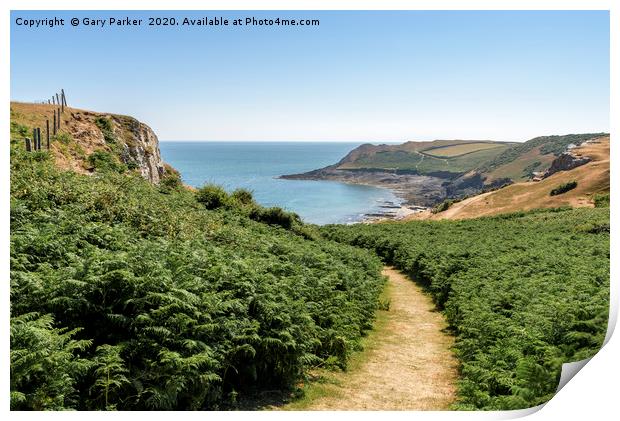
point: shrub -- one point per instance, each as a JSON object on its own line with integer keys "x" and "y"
{"x": 107, "y": 130}
{"x": 563, "y": 188}
{"x": 64, "y": 138}
{"x": 44, "y": 365}
{"x": 594, "y": 228}
{"x": 309, "y": 232}
{"x": 443, "y": 206}
{"x": 529, "y": 169}
{"x": 212, "y": 196}
{"x": 243, "y": 197}
{"x": 274, "y": 216}
{"x": 601, "y": 200}
{"x": 19, "y": 129}
{"x": 170, "y": 182}
{"x": 105, "y": 161}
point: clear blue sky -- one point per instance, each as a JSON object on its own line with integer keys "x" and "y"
{"x": 361, "y": 76}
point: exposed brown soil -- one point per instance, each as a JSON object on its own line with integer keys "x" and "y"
{"x": 77, "y": 123}
{"x": 410, "y": 365}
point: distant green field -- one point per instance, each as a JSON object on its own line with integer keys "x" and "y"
{"x": 424, "y": 163}
{"x": 496, "y": 160}
{"x": 461, "y": 149}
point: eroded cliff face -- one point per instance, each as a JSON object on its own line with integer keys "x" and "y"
{"x": 566, "y": 161}
{"x": 82, "y": 133}
{"x": 140, "y": 147}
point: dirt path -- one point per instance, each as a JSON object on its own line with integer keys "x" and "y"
{"x": 408, "y": 364}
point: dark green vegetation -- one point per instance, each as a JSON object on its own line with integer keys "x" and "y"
{"x": 601, "y": 200}
{"x": 126, "y": 295}
{"x": 523, "y": 293}
{"x": 212, "y": 196}
{"x": 215, "y": 197}
{"x": 418, "y": 157}
{"x": 548, "y": 145}
{"x": 530, "y": 168}
{"x": 443, "y": 206}
{"x": 563, "y": 188}
{"x": 105, "y": 125}
{"x": 468, "y": 155}
{"x": 105, "y": 161}
{"x": 412, "y": 157}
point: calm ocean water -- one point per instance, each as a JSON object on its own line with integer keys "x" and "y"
{"x": 255, "y": 166}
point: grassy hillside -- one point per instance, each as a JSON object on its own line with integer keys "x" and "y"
{"x": 443, "y": 156}
{"x": 428, "y": 173}
{"x": 126, "y": 295}
{"x": 592, "y": 181}
{"x": 518, "y": 162}
{"x": 493, "y": 161}
{"x": 88, "y": 138}
{"x": 452, "y": 151}
{"x": 523, "y": 293}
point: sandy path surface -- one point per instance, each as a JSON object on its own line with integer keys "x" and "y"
{"x": 410, "y": 365}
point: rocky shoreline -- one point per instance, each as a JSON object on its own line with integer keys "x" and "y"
{"x": 392, "y": 211}
{"x": 416, "y": 190}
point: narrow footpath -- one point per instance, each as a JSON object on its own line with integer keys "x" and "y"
{"x": 408, "y": 364}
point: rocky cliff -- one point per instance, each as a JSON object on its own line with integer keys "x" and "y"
{"x": 566, "y": 161}
{"x": 140, "y": 148}
{"x": 86, "y": 136}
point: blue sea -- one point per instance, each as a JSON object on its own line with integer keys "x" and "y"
{"x": 255, "y": 166}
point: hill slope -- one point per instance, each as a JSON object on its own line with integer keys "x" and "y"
{"x": 121, "y": 139}
{"x": 425, "y": 173}
{"x": 439, "y": 157}
{"x": 135, "y": 296}
{"x": 592, "y": 178}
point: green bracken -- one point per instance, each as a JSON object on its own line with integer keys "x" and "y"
{"x": 523, "y": 293}
{"x": 124, "y": 296}
{"x": 130, "y": 296}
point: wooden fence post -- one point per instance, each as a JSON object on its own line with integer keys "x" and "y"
{"x": 38, "y": 138}
{"x": 34, "y": 139}
{"x": 59, "y": 119}
{"x": 54, "y": 122}
{"x": 47, "y": 126}
{"x": 28, "y": 148}
{"x": 64, "y": 98}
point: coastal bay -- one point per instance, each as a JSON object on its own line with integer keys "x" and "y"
{"x": 257, "y": 166}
